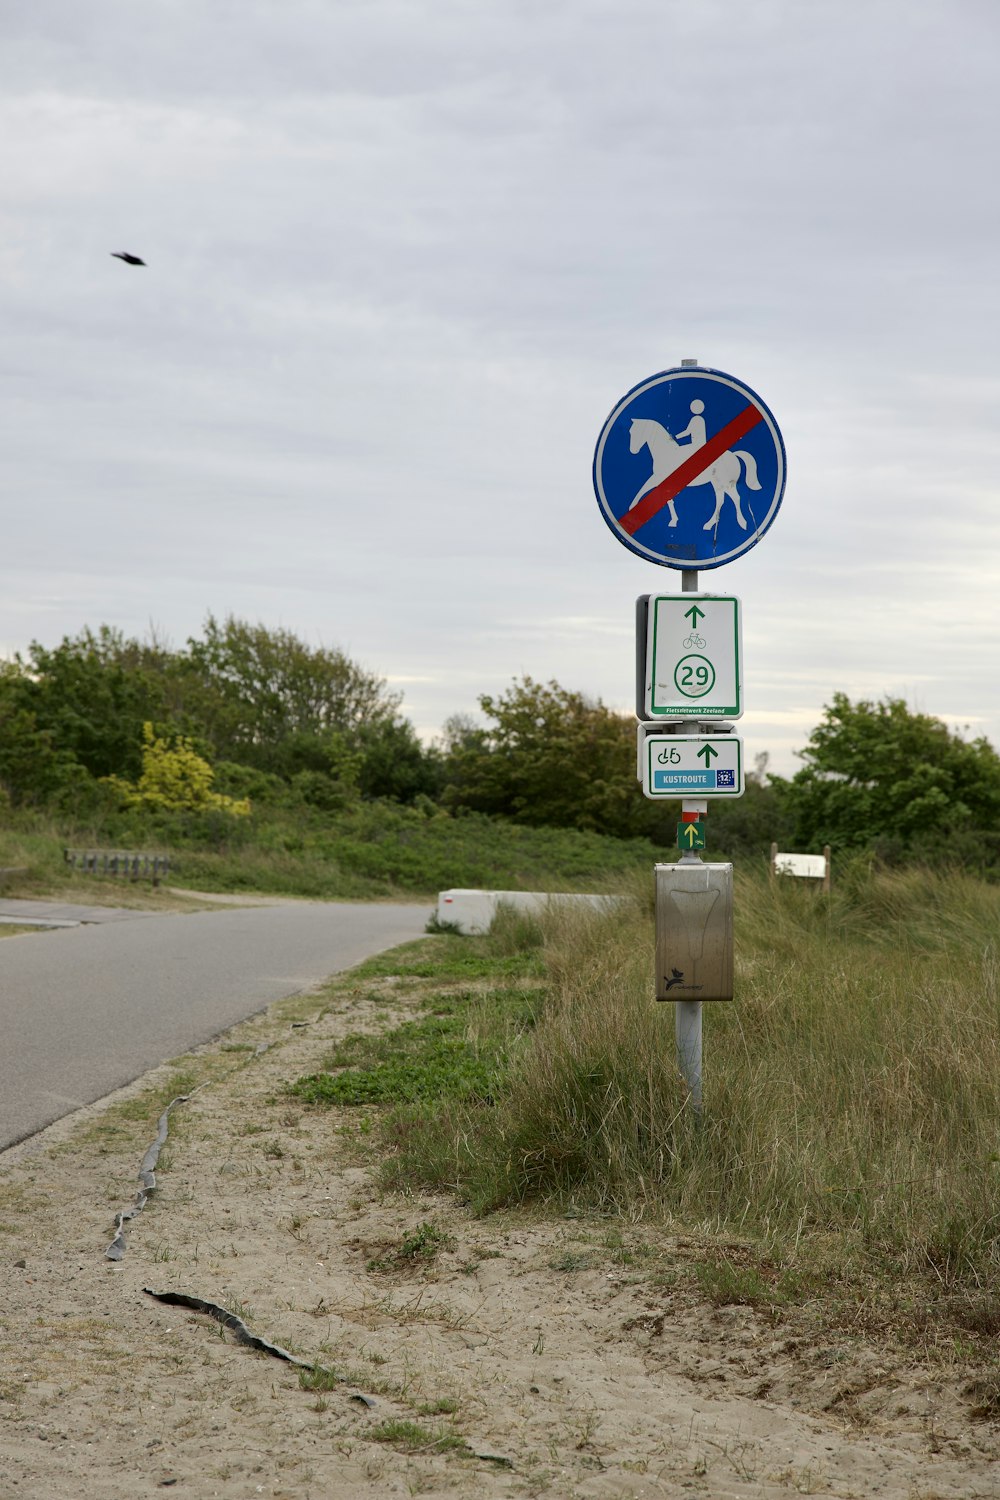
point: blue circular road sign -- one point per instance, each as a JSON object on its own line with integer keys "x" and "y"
{"x": 690, "y": 468}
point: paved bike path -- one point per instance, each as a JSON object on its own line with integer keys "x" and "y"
{"x": 88, "y": 1008}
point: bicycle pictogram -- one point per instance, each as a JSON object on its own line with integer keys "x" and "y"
{"x": 692, "y": 640}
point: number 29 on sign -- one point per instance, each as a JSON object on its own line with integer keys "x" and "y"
{"x": 694, "y": 675}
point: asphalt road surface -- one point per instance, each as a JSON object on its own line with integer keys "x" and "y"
{"x": 85, "y": 1010}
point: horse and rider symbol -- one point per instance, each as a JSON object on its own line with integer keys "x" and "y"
{"x": 669, "y": 452}
{"x": 687, "y": 433}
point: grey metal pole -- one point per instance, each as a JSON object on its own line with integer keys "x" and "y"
{"x": 688, "y": 1034}
{"x": 687, "y": 1013}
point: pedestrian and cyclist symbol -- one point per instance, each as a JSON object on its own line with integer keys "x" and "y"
{"x": 689, "y": 469}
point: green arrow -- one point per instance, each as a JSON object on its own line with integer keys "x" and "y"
{"x": 707, "y": 751}
{"x": 694, "y": 614}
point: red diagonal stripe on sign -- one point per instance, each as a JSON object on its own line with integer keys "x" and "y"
{"x": 690, "y": 469}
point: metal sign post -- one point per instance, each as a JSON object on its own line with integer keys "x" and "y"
{"x": 694, "y": 901}
{"x": 688, "y": 1027}
{"x": 694, "y": 951}
{"x": 689, "y": 473}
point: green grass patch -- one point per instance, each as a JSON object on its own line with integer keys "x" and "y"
{"x": 574, "y": 1260}
{"x": 420, "y": 1060}
{"x": 726, "y": 1284}
{"x": 451, "y": 958}
{"x": 460, "y": 1051}
{"x": 460, "y": 1048}
{"x": 319, "y": 1378}
{"x": 420, "y": 1246}
{"x": 413, "y": 1437}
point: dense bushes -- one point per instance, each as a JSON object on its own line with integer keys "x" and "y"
{"x": 901, "y": 784}
{"x": 286, "y": 713}
{"x": 245, "y": 715}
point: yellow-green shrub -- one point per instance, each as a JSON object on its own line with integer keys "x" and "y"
{"x": 175, "y": 777}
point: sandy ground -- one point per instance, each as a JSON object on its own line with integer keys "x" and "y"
{"x": 525, "y": 1357}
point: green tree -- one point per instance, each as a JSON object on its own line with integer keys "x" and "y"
{"x": 268, "y": 700}
{"x": 550, "y": 756}
{"x": 256, "y": 690}
{"x": 394, "y": 764}
{"x": 878, "y": 775}
{"x": 243, "y": 695}
{"x": 32, "y": 770}
{"x": 91, "y": 695}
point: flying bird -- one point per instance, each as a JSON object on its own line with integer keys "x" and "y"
{"x": 131, "y": 260}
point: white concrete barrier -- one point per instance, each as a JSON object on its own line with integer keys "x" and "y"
{"x": 472, "y": 912}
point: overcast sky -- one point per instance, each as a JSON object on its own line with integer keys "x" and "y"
{"x": 405, "y": 256}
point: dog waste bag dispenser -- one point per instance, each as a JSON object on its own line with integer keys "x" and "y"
{"x": 694, "y": 931}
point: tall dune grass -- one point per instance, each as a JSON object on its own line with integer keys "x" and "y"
{"x": 851, "y": 1090}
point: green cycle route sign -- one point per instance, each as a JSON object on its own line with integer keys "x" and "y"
{"x": 693, "y": 654}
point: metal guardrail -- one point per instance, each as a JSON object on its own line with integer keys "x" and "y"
{"x": 118, "y": 862}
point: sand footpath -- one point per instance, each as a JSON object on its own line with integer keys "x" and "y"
{"x": 506, "y": 1356}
